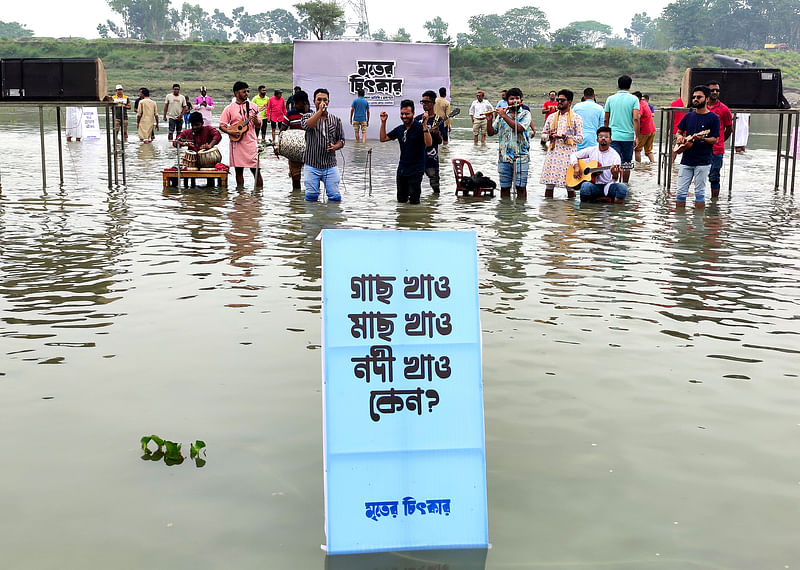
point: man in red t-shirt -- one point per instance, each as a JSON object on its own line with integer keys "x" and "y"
{"x": 548, "y": 107}
{"x": 676, "y": 117}
{"x": 647, "y": 129}
{"x": 726, "y": 126}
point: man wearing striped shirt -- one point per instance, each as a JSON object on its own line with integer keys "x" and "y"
{"x": 324, "y": 136}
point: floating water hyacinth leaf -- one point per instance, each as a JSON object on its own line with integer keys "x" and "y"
{"x": 173, "y": 450}
{"x": 170, "y": 451}
{"x": 194, "y": 450}
{"x": 155, "y": 439}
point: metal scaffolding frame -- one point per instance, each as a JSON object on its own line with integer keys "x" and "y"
{"x": 113, "y": 153}
{"x": 789, "y": 151}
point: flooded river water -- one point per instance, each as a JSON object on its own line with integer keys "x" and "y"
{"x": 641, "y": 370}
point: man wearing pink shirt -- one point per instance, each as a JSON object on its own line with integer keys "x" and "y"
{"x": 276, "y": 110}
{"x": 721, "y": 110}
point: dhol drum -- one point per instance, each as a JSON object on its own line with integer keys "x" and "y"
{"x": 189, "y": 160}
{"x": 207, "y": 159}
{"x": 292, "y": 144}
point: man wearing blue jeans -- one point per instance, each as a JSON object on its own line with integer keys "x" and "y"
{"x": 512, "y": 124}
{"x": 622, "y": 115}
{"x": 606, "y": 187}
{"x": 701, "y": 128}
{"x": 324, "y": 136}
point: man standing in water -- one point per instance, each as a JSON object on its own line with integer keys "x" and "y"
{"x": 174, "y": 108}
{"x": 435, "y": 125}
{"x": 477, "y": 114}
{"x": 721, "y": 110}
{"x": 622, "y": 115}
{"x": 696, "y": 160}
{"x": 244, "y": 151}
{"x": 324, "y": 136}
{"x": 564, "y": 131}
{"x": 548, "y": 108}
{"x": 414, "y": 138}
{"x": 293, "y": 120}
{"x": 442, "y": 109}
{"x": 513, "y": 153}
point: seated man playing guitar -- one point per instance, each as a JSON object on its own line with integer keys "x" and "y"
{"x": 596, "y": 171}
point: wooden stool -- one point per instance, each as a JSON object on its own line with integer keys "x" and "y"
{"x": 193, "y": 175}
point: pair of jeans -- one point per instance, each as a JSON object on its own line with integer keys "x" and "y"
{"x": 716, "y": 166}
{"x": 329, "y": 176}
{"x": 591, "y": 191}
{"x": 517, "y": 170}
{"x": 409, "y": 187}
{"x": 685, "y": 176}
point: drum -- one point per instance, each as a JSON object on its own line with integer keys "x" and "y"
{"x": 208, "y": 158}
{"x": 292, "y": 144}
{"x": 189, "y": 159}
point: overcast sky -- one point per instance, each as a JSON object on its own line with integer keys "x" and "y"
{"x": 58, "y": 19}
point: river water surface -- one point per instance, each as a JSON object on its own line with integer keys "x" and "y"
{"x": 641, "y": 370}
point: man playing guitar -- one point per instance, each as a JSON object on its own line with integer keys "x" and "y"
{"x": 605, "y": 186}
{"x": 696, "y": 161}
{"x": 241, "y": 122}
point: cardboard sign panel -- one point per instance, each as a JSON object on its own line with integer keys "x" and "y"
{"x": 404, "y": 452}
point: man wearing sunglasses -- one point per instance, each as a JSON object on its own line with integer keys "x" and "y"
{"x": 696, "y": 160}
{"x": 436, "y": 126}
{"x": 722, "y": 111}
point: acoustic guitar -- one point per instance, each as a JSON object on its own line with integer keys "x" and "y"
{"x": 589, "y": 171}
{"x": 237, "y": 130}
{"x": 688, "y": 142}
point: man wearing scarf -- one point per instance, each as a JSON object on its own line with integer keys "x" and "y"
{"x": 564, "y": 131}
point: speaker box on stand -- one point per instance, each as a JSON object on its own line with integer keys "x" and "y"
{"x": 51, "y": 79}
{"x": 740, "y": 88}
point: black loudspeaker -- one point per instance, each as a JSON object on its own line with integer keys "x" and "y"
{"x": 745, "y": 88}
{"x": 48, "y": 79}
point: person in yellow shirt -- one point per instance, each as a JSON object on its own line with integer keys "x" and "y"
{"x": 261, "y": 100}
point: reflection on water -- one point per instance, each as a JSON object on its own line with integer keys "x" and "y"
{"x": 640, "y": 363}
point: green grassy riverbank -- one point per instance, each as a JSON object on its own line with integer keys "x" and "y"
{"x": 535, "y": 71}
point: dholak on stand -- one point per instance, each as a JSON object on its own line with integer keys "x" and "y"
{"x": 208, "y": 159}
{"x": 291, "y": 144}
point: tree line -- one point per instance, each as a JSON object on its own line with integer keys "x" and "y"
{"x": 744, "y": 24}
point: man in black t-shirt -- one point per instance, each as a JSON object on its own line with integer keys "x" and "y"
{"x": 436, "y": 126}
{"x": 414, "y": 137}
{"x": 701, "y": 129}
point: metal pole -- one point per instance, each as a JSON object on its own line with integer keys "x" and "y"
{"x": 116, "y": 165}
{"x": 778, "y": 159}
{"x": 108, "y": 146}
{"x": 794, "y": 154}
{"x": 733, "y": 152}
{"x": 41, "y": 139}
{"x": 60, "y": 157}
{"x": 178, "y": 147}
{"x": 670, "y": 127}
{"x": 122, "y": 147}
{"x": 789, "y": 142}
{"x": 660, "y": 140}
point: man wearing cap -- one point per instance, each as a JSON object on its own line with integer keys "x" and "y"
{"x": 204, "y": 104}
{"x": 276, "y": 110}
{"x": 121, "y": 111}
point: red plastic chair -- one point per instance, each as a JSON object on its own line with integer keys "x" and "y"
{"x": 458, "y": 171}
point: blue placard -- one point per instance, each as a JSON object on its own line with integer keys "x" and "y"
{"x": 404, "y": 453}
